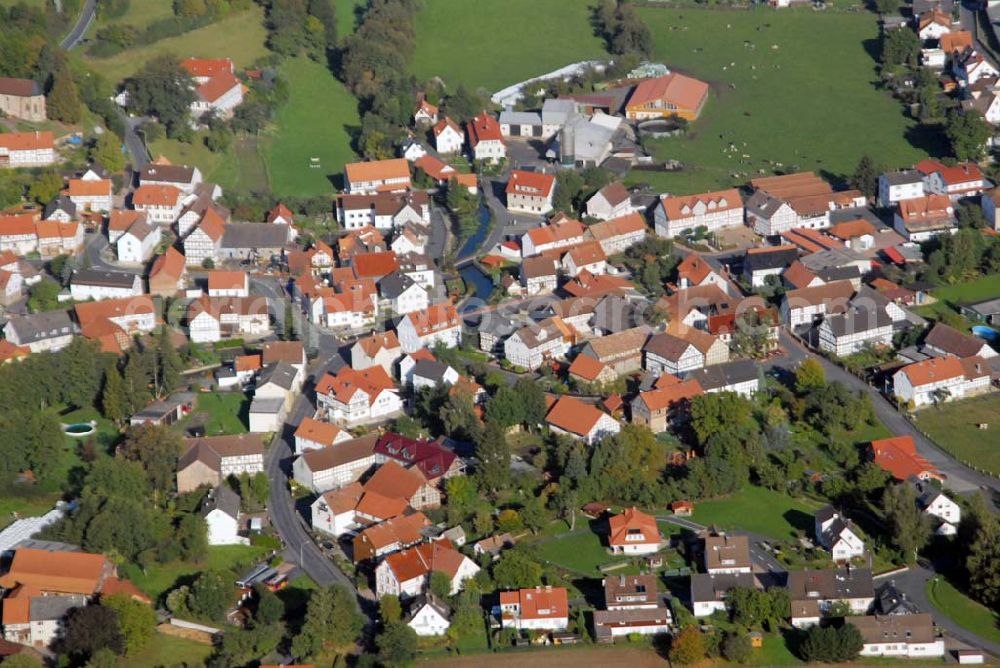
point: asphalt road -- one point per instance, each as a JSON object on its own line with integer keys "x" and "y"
{"x": 94, "y": 247}
{"x": 912, "y": 583}
{"x": 960, "y": 478}
{"x": 133, "y": 142}
{"x": 83, "y": 21}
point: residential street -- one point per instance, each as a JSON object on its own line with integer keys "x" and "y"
{"x": 912, "y": 583}
{"x": 960, "y": 478}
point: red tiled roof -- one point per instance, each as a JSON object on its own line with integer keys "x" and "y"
{"x": 530, "y": 184}
{"x": 573, "y": 416}
{"x": 155, "y": 195}
{"x": 27, "y": 141}
{"x": 431, "y": 459}
{"x": 207, "y": 67}
{"x": 586, "y": 367}
{"x": 683, "y": 206}
{"x": 539, "y": 603}
{"x": 484, "y": 127}
{"x": 85, "y": 188}
{"x": 625, "y": 528}
{"x": 898, "y": 455}
{"x": 345, "y": 383}
{"x": 375, "y": 265}
{"x": 686, "y": 93}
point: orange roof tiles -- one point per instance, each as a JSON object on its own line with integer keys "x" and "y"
{"x": 898, "y": 456}
{"x": 89, "y": 312}
{"x": 27, "y": 141}
{"x": 380, "y": 506}
{"x": 668, "y": 394}
{"x": 426, "y": 558}
{"x": 207, "y": 67}
{"x": 122, "y": 219}
{"x": 312, "y": 429}
{"x": 573, "y": 416}
{"x": 633, "y": 527}
{"x": 565, "y": 229}
{"x": 392, "y": 480}
{"x": 435, "y": 168}
{"x": 375, "y": 265}
{"x": 540, "y": 603}
{"x": 683, "y": 92}
{"x": 217, "y": 86}
{"x": 852, "y": 229}
{"x": 587, "y": 252}
{"x": 684, "y": 206}
{"x": 627, "y": 224}
{"x": 227, "y": 280}
{"x": 484, "y": 127}
{"x": 587, "y": 284}
{"x": 587, "y": 368}
{"x": 212, "y": 224}
{"x": 248, "y": 363}
{"x": 436, "y": 318}
{"x": 446, "y": 123}
{"x": 85, "y": 188}
{"x": 170, "y": 264}
{"x": 694, "y": 269}
{"x": 376, "y": 342}
{"x": 18, "y": 225}
{"x": 377, "y": 170}
{"x": 8, "y": 351}
{"x": 155, "y": 195}
{"x": 348, "y": 381}
{"x": 933, "y": 370}
{"x": 530, "y": 184}
{"x": 956, "y": 40}
{"x": 57, "y": 572}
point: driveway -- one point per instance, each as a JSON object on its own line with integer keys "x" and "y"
{"x": 83, "y": 21}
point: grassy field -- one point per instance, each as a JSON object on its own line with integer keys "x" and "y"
{"x": 346, "y": 16}
{"x": 161, "y": 578}
{"x": 143, "y": 12}
{"x": 963, "y": 610}
{"x": 950, "y": 296}
{"x": 955, "y": 427}
{"x": 501, "y": 43}
{"x": 743, "y": 510}
{"x": 794, "y": 87}
{"x": 164, "y": 650}
{"x": 227, "y": 412}
{"x": 582, "y": 551}
{"x": 240, "y": 37}
{"x": 316, "y": 122}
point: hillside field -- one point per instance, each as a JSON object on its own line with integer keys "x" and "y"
{"x": 795, "y": 87}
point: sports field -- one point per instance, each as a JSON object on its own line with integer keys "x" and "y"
{"x": 788, "y": 88}
{"x": 495, "y": 44}
{"x": 315, "y": 122}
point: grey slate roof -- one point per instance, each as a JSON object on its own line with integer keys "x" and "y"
{"x": 255, "y": 235}
{"x": 520, "y": 118}
{"x": 556, "y": 112}
{"x": 281, "y": 374}
{"x": 430, "y": 599}
{"x": 952, "y": 341}
{"x": 40, "y": 326}
{"x": 723, "y": 375}
{"x": 47, "y": 608}
{"x": 61, "y": 203}
{"x": 107, "y": 279}
{"x": 857, "y": 320}
{"x": 707, "y": 587}
{"x": 775, "y": 259}
{"x": 430, "y": 369}
{"x": 903, "y": 177}
{"x": 831, "y": 584}
{"x": 225, "y": 499}
{"x": 395, "y": 284}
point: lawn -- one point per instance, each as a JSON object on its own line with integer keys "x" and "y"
{"x": 239, "y": 36}
{"x": 497, "y": 44}
{"x": 316, "y": 121}
{"x": 346, "y": 13}
{"x": 239, "y": 168}
{"x": 950, "y": 296}
{"x": 165, "y": 650}
{"x": 161, "y": 578}
{"x": 955, "y": 427}
{"x": 758, "y": 510}
{"x": 141, "y": 13}
{"x": 963, "y": 610}
{"x": 582, "y": 551}
{"x": 793, "y": 87}
{"x": 227, "y": 412}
